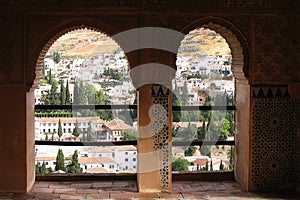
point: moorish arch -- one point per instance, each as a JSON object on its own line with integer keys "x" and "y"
{"x": 42, "y": 45}
{"x": 234, "y": 38}
{"x": 241, "y": 72}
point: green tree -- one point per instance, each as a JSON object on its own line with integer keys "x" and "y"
{"x": 190, "y": 151}
{"x": 225, "y": 130}
{"x": 130, "y": 134}
{"x": 67, "y": 94}
{"x": 56, "y": 56}
{"x": 185, "y": 94}
{"x": 89, "y": 133}
{"x": 52, "y": 136}
{"x": 37, "y": 169}
{"x": 202, "y": 131}
{"x": 53, "y": 96}
{"x": 74, "y": 166}
{"x": 76, "y": 92}
{"x": 43, "y": 169}
{"x": 206, "y": 166}
{"x": 102, "y": 99}
{"x": 46, "y": 136}
{"x": 221, "y": 166}
{"x": 59, "y": 132}
{"x": 90, "y": 93}
{"x": 60, "y": 161}
{"x": 81, "y": 94}
{"x": 176, "y": 102}
{"x": 180, "y": 165}
{"x": 62, "y": 93}
{"x": 76, "y": 131}
{"x": 211, "y": 165}
{"x": 50, "y": 77}
{"x": 174, "y": 131}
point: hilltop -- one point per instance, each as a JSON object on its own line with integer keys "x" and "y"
{"x": 87, "y": 43}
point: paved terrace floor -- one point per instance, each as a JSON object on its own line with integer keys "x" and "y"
{"x": 128, "y": 190}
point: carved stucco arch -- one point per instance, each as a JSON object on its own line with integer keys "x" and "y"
{"x": 36, "y": 59}
{"x": 235, "y": 39}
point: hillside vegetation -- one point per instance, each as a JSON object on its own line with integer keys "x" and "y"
{"x": 87, "y": 43}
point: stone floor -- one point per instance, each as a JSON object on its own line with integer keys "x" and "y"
{"x": 128, "y": 190}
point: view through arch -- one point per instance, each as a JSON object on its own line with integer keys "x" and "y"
{"x": 85, "y": 67}
{"x": 203, "y": 78}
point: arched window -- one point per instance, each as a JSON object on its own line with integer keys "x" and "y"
{"x": 84, "y": 74}
{"x": 203, "y": 92}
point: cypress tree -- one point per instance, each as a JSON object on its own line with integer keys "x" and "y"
{"x": 62, "y": 93}
{"x": 201, "y": 132}
{"x": 50, "y": 77}
{"x": 74, "y": 166}
{"x": 185, "y": 94}
{"x": 53, "y": 96}
{"x": 89, "y": 133}
{"x": 206, "y": 166}
{"x": 59, "y": 132}
{"x": 75, "y": 93}
{"x": 43, "y": 168}
{"x": 76, "y": 131}
{"x": 221, "y": 166}
{"x": 81, "y": 94}
{"x": 67, "y": 93}
{"x": 60, "y": 161}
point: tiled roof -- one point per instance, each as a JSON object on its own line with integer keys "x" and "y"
{"x": 96, "y": 170}
{"x": 100, "y": 150}
{"x": 103, "y": 160}
{"x": 126, "y": 148}
{"x": 117, "y": 125}
{"x": 45, "y": 158}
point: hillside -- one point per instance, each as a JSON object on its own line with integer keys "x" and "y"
{"x": 84, "y": 43}
{"x": 87, "y": 43}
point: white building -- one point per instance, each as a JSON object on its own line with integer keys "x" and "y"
{"x": 50, "y": 125}
{"x": 108, "y": 164}
{"x": 116, "y": 128}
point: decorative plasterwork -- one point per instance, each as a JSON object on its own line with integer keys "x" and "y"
{"x": 273, "y": 138}
{"x": 160, "y": 128}
{"x": 276, "y": 49}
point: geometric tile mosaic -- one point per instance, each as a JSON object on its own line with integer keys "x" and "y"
{"x": 274, "y": 138}
{"x": 160, "y": 96}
